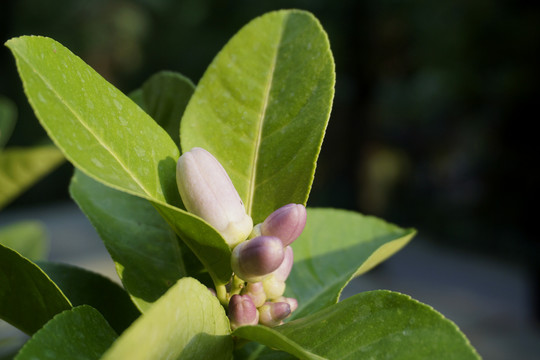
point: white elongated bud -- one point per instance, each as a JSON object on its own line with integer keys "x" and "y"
{"x": 286, "y": 223}
{"x": 208, "y": 192}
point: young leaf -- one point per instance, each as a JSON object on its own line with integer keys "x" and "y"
{"x": 83, "y": 287}
{"x": 28, "y": 238}
{"x": 375, "y": 325}
{"x": 22, "y": 167}
{"x": 81, "y": 333}
{"x": 335, "y": 246}
{"x": 164, "y": 97}
{"x": 144, "y": 248}
{"x": 262, "y": 108}
{"x": 187, "y": 322}
{"x": 8, "y": 116}
{"x": 107, "y": 136}
{"x": 28, "y": 297}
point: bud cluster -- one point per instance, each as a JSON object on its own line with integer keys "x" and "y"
{"x": 261, "y": 266}
{"x": 262, "y": 263}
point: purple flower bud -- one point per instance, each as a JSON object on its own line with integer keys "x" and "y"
{"x": 242, "y": 311}
{"x": 287, "y": 223}
{"x": 252, "y": 260}
{"x": 272, "y": 313}
{"x": 256, "y": 292}
{"x": 283, "y": 271}
{"x": 273, "y": 288}
{"x": 208, "y": 192}
{"x": 293, "y": 303}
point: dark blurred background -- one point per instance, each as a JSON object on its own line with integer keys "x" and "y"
{"x": 433, "y": 118}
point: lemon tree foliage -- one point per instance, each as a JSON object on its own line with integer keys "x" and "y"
{"x": 261, "y": 109}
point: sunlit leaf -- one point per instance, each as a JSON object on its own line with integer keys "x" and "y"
{"x": 335, "y": 246}
{"x": 262, "y": 106}
{"x": 188, "y": 322}
{"x": 372, "y": 325}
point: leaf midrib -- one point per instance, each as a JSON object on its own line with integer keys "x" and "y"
{"x": 77, "y": 116}
{"x": 258, "y": 140}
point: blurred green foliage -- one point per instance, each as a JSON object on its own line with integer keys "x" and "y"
{"x": 432, "y": 121}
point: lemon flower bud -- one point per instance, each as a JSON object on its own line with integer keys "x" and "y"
{"x": 242, "y": 311}
{"x": 252, "y": 260}
{"x": 286, "y": 223}
{"x": 272, "y": 313}
{"x": 208, "y": 192}
{"x": 256, "y": 292}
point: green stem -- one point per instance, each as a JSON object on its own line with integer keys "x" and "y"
{"x": 237, "y": 285}
{"x": 221, "y": 292}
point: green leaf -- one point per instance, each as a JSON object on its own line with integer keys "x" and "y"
{"x": 81, "y": 333}
{"x": 28, "y": 238}
{"x": 262, "y": 108}
{"x": 187, "y": 322}
{"x": 107, "y": 136}
{"x": 8, "y": 116}
{"x": 99, "y": 129}
{"x": 144, "y": 248}
{"x": 28, "y": 297}
{"x": 22, "y": 167}
{"x": 372, "y": 325}
{"x": 164, "y": 96}
{"x": 83, "y": 287}
{"x": 335, "y": 246}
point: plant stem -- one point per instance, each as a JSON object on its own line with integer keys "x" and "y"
{"x": 221, "y": 292}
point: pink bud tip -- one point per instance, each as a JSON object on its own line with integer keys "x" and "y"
{"x": 242, "y": 311}
{"x": 286, "y": 223}
{"x": 257, "y": 257}
{"x": 293, "y": 303}
{"x": 283, "y": 271}
{"x": 272, "y": 313}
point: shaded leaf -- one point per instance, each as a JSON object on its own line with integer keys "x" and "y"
{"x": 164, "y": 97}
{"x": 144, "y": 248}
{"x": 22, "y": 167}
{"x": 107, "y": 136}
{"x": 188, "y": 322}
{"x": 262, "y": 107}
{"x": 8, "y": 117}
{"x": 83, "y": 287}
{"x": 28, "y": 238}
{"x": 28, "y": 297}
{"x": 335, "y": 246}
{"x": 80, "y": 333}
{"x": 372, "y": 325}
